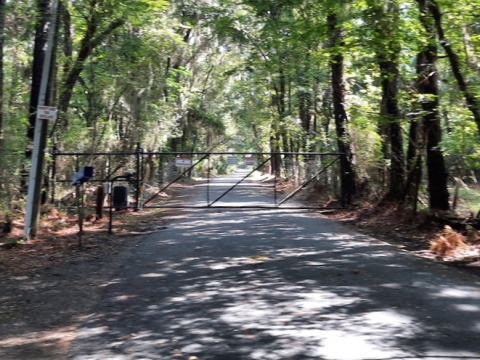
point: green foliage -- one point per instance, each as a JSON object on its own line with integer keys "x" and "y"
{"x": 222, "y": 168}
{"x": 469, "y": 198}
{"x": 241, "y": 75}
{"x": 460, "y": 144}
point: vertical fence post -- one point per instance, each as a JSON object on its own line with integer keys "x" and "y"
{"x": 161, "y": 170}
{"x": 55, "y": 153}
{"x": 77, "y": 169}
{"x": 110, "y": 212}
{"x": 108, "y": 166}
{"x": 80, "y": 193}
{"x": 274, "y": 181}
{"x": 208, "y": 181}
{"x": 138, "y": 154}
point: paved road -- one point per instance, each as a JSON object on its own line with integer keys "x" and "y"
{"x": 271, "y": 285}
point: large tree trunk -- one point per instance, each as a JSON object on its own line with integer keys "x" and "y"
{"x": 347, "y": 176}
{"x": 305, "y": 103}
{"x": 391, "y": 112}
{"x": 386, "y": 16}
{"x": 413, "y": 163}
{"x": 3, "y": 162}
{"x": 278, "y": 139}
{"x": 428, "y": 90}
{"x": 2, "y": 34}
{"x": 43, "y": 7}
{"x": 42, "y": 12}
{"x": 305, "y": 110}
{"x": 472, "y": 102}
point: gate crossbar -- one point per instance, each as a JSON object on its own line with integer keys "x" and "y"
{"x": 138, "y": 181}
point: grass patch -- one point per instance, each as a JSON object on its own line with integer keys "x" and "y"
{"x": 469, "y": 199}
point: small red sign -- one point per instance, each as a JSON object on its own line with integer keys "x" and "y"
{"x": 249, "y": 160}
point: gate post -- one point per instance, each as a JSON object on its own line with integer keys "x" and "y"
{"x": 138, "y": 180}
{"x": 208, "y": 181}
{"x": 55, "y": 153}
{"x": 275, "y": 184}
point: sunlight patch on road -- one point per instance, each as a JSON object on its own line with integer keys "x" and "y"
{"x": 124, "y": 297}
{"x": 468, "y": 307}
{"x": 336, "y": 345}
{"x": 58, "y": 337}
{"x": 264, "y": 257}
{"x": 111, "y": 282}
{"x": 262, "y": 313}
{"x": 207, "y": 223}
{"x": 465, "y": 292}
{"x": 153, "y": 275}
{"x": 341, "y": 336}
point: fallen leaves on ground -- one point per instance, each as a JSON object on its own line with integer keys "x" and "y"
{"x": 60, "y": 241}
{"x": 420, "y": 233}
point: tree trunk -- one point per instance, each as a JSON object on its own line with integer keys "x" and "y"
{"x": 391, "y": 112}
{"x": 413, "y": 154}
{"x": 428, "y": 90}
{"x": 386, "y": 21}
{"x": 305, "y": 110}
{"x": 92, "y": 38}
{"x": 2, "y": 36}
{"x": 472, "y": 103}
{"x": 305, "y": 104}
{"x": 279, "y": 140}
{"x": 43, "y": 7}
{"x": 347, "y": 176}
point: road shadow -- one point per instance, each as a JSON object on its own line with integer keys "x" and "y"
{"x": 279, "y": 285}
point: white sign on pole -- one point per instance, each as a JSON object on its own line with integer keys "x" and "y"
{"x": 47, "y": 112}
{"x": 183, "y": 161}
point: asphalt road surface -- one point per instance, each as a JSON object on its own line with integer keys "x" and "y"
{"x": 227, "y": 284}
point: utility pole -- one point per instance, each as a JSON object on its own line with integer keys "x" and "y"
{"x": 40, "y": 136}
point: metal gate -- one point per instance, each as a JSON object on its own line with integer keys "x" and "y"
{"x": 209, "y": 179}
{"x": 247, "y": 180}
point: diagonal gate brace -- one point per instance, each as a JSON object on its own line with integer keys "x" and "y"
{"x": 177, "y": 178}
{"x": 239, "y": 182}
{"x": 301, "y": 187}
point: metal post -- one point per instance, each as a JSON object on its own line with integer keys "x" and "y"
{"x": 36, "y": 172}
{"x": 208, "y": 182}
{"x": 275, "y": 183}
{"x": 138, "y": 180}
{"x": 80, "y": 191}
{"x": 110, "y": 210}
{"x": 55, "y": 153}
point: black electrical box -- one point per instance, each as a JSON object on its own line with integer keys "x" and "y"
{"x": 120, "y": 197}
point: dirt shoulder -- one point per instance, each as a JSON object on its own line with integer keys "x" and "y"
{"x": 423, "y": 235}
{"x": 49, "y": 285}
